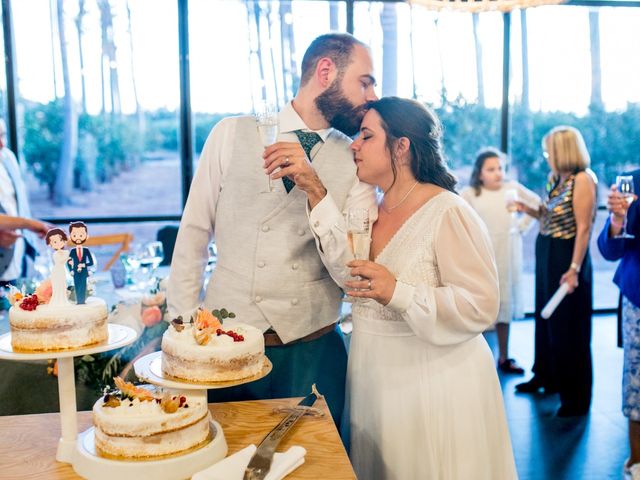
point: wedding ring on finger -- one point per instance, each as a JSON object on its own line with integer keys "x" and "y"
{"x": 369, "y": 284}
{"x": 286, "y": 161}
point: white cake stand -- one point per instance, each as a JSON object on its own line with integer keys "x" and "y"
{"x": 119, "y": 336}
{"x": 149, "y": 369}
{"x": 90, "y": 465}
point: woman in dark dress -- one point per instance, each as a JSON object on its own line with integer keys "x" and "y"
{"x": 563, "y": 342}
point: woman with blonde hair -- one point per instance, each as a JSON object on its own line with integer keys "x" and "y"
{"x": 563, "y": 341}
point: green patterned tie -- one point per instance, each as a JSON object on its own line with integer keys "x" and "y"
{"x": 308, "y": 140}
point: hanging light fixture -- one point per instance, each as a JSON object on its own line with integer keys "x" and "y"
{"x": 474, "y": 6}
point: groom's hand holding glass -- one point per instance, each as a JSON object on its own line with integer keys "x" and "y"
{"x": 292, "y": 162}
{"x": 375, "y": 282}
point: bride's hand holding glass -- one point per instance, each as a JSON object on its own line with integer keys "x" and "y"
{"x": 375, "y": 281}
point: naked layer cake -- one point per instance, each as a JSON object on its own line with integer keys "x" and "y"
{"x": 204, "y": 350}
{"x": 44, "y": 327}
{"x": 136, "y": 423}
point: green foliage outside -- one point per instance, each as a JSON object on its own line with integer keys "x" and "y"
{"x": 612, "y": 138}
{"x": 109, "y": 144}
{"x": 106, "y": 145}
{"x": 43, "y": 132}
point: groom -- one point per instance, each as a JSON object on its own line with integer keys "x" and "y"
{"x": 80, "y": 258}
{"x": 269, "y": 271}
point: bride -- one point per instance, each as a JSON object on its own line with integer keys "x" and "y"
{"x": 423, "y": 393}
{"x": 57, "y": 239}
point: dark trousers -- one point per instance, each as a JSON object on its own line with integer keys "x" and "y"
{"x": 295, "y": 368}
{"x": 563, "y": 341}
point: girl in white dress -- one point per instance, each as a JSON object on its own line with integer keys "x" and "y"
{"x": 423, "y": 393}
{"x": 492, "y": 197}
{"x": 56, "y": 238}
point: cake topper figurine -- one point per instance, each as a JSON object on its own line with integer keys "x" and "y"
{"x": 57, "y": 239}
{"x": 80, "y": 259}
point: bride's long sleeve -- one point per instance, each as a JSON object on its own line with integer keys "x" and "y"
{"x": 330, "y": 230}
{"x": 467, "y": 299}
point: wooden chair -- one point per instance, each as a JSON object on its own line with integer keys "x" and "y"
{"x": 124, "y": 239}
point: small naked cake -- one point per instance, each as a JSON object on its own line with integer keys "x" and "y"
{"x": 139, "y": 423}
{"x": 204, "y": 351}
{"x": 42, "y": 327}
{"x": 47, "y": 320}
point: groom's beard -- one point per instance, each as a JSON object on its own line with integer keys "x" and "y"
{"x": 338, "y": 110}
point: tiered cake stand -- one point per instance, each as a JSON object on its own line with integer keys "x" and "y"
{"x": 79, "y": 450}
{"x": 119, "y": 336}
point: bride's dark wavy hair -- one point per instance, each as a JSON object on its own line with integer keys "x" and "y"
{"x": 402, "y": 117}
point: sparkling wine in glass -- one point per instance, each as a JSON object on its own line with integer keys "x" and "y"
{"x": 358, "y": 232}
{"x": 625, "y": 188}
{"x": 267, "y": 123}
{"x": 359, "y": 237}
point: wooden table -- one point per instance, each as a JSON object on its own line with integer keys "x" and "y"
{"x": 28, "y": 442}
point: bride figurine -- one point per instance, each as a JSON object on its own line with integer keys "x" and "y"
{"x": 57, "y": 239}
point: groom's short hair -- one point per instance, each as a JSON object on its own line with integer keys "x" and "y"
{"x": 336, "y": 46}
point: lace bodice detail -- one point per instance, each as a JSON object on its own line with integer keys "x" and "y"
{"x": 410, "y": 254}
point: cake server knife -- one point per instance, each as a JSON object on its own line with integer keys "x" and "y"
{"x": 260, "y": 462}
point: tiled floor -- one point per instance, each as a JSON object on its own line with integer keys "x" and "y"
{"x": 551, "y": 448}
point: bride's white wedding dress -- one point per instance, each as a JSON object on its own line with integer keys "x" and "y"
{"x": 59, "y": 278}
{"x": 423, "y": 393}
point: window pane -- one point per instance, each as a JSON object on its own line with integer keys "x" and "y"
{"x": 447, "y": 60}
{"x": 98, "y": 117}
{"x": 591, "y": 83}
{"x": 263, "y": 49}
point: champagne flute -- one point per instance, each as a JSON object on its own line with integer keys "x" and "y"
{"x": 267, "y": 123}
{"x": 358, "y": 232}
{"x": 625, "y": 188}
{"x": 358, "y": 235}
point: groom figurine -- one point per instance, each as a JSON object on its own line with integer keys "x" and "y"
{"x": 79, "y": 259}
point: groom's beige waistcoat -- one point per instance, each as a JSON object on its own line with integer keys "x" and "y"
{"x": 269, "y": 271}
